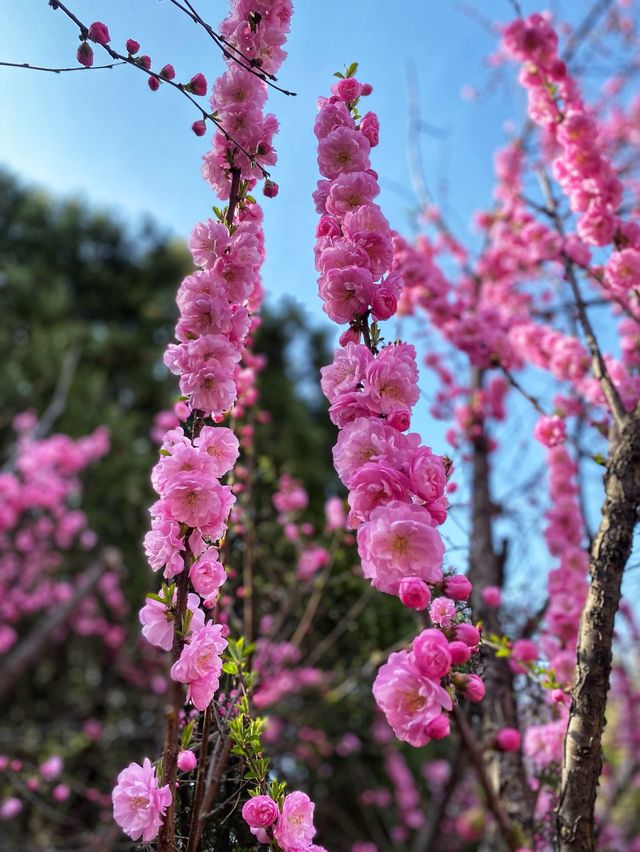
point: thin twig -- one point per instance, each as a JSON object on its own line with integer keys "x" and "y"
{"x": 28, "y": 66}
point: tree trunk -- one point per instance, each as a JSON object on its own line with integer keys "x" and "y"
{"x": 611, "y": 548}
{"x": 498, "y": 708}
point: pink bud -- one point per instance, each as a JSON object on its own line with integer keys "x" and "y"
{"x": 523, "y": 652}
{"x": 414, "y": 593}
{"x": 431, "y": 654}
{"x": 348, "y": 89}
{"x": 492, "y": 596}
{"x": 132, "y": 46}
{"x": 457, "y": 587}
{"x": 270, "y": 188}
{"x": 351, "y": 335}
{"x": 474, "y": 688}
{"x": 260, "y": 812}
{"x": 400, "y": 419}
{"x": 508, "y": 739}
{"x": 367, "y": 88}
{"x": 384, "y": 303}
{"x": 167, "y": 72}
{"x": 467, "y": 633}
{"x": 439, "y": 728}
{"x": 460, "y": 653}
{"x": 197, "y": 84}
{"x": 154, "y": 83}
{"x": 99, "y": 33}
{"x": 61, "y": 793}
{"x": 199, "y": 127}
{"x": 145, "y": 61}
{"x": 187, "y": 761}
{"x": 85, "y": 55}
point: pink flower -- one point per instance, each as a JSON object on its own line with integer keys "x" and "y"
{"x": 222, "y": 447}
{"x": 473, "y": 687}
{"x": 200, "y": 665}
{"x": 523, "y": 652}
{"x": 346, "y": 293}
{"x": 442, "y": 612}
{"x": 331, "y": 116}
{"x": 427, "y": 474}
{"x": 207, "y": 574}
{"x": 350, "y": 191}
{"x": 399, "y": 541}
{"x": 192, "y": 498}
{"x": 187, "y": 761}
{"x": 375, "y": 484}
{"x": 414, "y": 593}
{"x": 132, "y": 46}
{"x": 370, "y": 127}
{"x": 508, "y": 739}
{"x": 51, "y": 768}
{"x": 550, "y": 431}
{"x": 343, "y": 150}
{"x": 622, "y": 272}
{"x": 10, "y": 808}
{"x": 139, "y": 805}
{"x": 157, "y": 621}
{"x": 99, "y": 33}
{"x": 260, "y": 812}
{"x": 392, "y": 378}
{"x": 60, "y": 793}
{"x": 347, "y": 89}
{"x": 460, "y": 653}
{"x": 199, "y": 127}
{"x": 347, "y": 370}
{"x": 431, "y": 655}
{"x": 409, "y": 700}
{"x": 168, "y": 72}
{"x": 384, "y": 303}
{"x": 294, "y": 829}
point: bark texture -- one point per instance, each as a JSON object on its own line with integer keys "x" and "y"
{"x": 498, "y": 709}
{"x": 609, "y": 554}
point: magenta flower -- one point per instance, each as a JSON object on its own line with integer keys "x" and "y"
{"x": 198, "y": 85}
{"x": 139, "y": 805}
{"x": 99, "y": 33}
{"x": 85, "y": 55}
{"x": 260, "y": 812}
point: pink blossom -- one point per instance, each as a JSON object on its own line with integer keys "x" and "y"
{"x": 157, "y": 621}
{"x": 200, "y": 665}
{"x": 139, "y": 805}
{"x": 294, "y": 829}
{"x": 260, "y": 812}
{"x": 370, "y": 127}
{"x": 550, "y": 430}
{"x": 399, "y": 541}
{"x": 384, "y": 303}
{"x": 457, "y": 587}
{"x": 61, "y": 793}
{"x": 442, "y": 612}
{"x": 343, "y": 150}
{"x": 392, "y": 378}
{"x": 346, "y": 293}
{"x": 350, "y": 191}
{"x": 207, "y": 574}
{"x": 375, "y": 484}
{"x": 622, "y": 272}
{"x": 523, "y": 652}
{"x": 222, "y": 447}
{"x": 192, "y": 498}
{"x": 197, "y": 84}
{"x": 10, "y": 808}
{"x": 431, "y": 655}
{"x": 409, "y": 700}
{"x": 51, "y": 768}
{"x": 85, "y": 55}
{"x": 347, "y": 89}
{"x": 331, "y": 116}
{"x": 492, "y": 596}
{"x": 132, "y": 46}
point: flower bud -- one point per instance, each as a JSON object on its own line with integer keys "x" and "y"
{"x": 460, "y": 653}
{"x": 431, "y": 654}
{"x": 414, "y": 593}
{"x": 144, "y": 61}
{"x": 99, "y": 33}
{"x": 348, "y": 89}
{"x": 197, "y": 85}
{"x": 384, "y": 303}
{"x": 199, "y": 127}
{"x": 439, "y": 728}
{"x": 132, "y": 46}
{"x": 154, "y": 84}
{"x": 457, "y": 587}
{"x": 508, "y": 739}
{"x": 85, "y": 55}
{"x": 467, "y": 633}
{"x": 167, "y": 72}
{"x": 270, "y": 188}
{"x": 367, "y": 88}
{"x": 260, "y": 812}
{"x": 187, "y": 761}
{"x": 400, "y": 419}
{"x": 492, "y": 596}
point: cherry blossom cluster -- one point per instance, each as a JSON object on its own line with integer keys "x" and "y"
{"x": 40, "y": 523}
{"x": 258, "y": 28}
{"x": 396, "y": 485}
{"x": 290, "y": 827}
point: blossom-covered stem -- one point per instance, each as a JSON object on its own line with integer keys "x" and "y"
{"x": 582, "y": 761}
{"x": 247, "y": 554}
{"x": 176, "y": 699}
{"x": 599, "y": 367}
{"x": 200, "y": 782}
{"x": 506, "y": 827}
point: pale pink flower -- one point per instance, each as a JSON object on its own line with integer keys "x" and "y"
{"x": 294, "y": 829}
{"x": 343, "y": 150}
{"x": 200, "y": 664}
{"x": 139, "y": 805}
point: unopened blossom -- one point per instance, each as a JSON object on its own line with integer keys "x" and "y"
{"x": 139, "y": 804}
{"x": 414, "y": 593}
{"x": 260, "y": 812}
{"x": 431, "y": 655}
{"x": 187, "y": 761}
{"x": 99, "y": 33}
{"x": 508, "y": 739}
{"x": 550, "y": 430}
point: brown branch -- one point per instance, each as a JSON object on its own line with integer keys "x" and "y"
{"x": 200, "y": 782}
{"x": 468, "y": 738}
{"x": 582, "y": 762}
{"x": 30, "y": 650}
